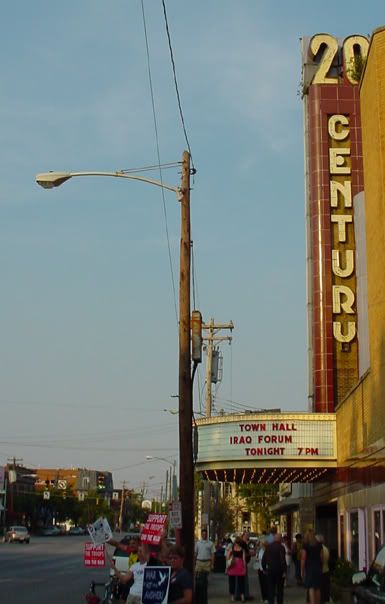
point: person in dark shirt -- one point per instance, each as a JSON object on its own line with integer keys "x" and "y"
{"x": 181, "y": 582}
{"x": 274, "y": 564}
{"x": 311, "y": 566}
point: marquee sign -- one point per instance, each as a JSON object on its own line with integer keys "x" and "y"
{"x": 261, "y": 441}
{"x": 334, "y": 175}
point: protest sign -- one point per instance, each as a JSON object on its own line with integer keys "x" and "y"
{"x": 153, "y": 529}
{"x": 155, "y": 584}
{"x": 94, "y": 555}
{"x": 175, "y": 514}
{"x": 100, "y": 531}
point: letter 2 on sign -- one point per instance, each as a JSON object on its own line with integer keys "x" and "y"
{"x": 324, "y": 52}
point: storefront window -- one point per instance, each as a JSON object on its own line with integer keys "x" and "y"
{"x": 378, "y": 529}
{"x": 354, "y": 539}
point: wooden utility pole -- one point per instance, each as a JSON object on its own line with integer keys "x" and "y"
{"x": 211, "y": 339}
{"x": 123, "y": 496}
{"x": 186, "y": 469}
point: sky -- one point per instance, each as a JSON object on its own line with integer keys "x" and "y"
{"x": 89, "y": 335}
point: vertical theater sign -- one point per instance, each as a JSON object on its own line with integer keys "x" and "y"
{"x": 333, "y": 176}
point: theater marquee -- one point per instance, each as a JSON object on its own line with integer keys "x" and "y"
{"x": 256, "y": 443}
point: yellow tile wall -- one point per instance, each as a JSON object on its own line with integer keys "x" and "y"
{"x": 361, "y": 416}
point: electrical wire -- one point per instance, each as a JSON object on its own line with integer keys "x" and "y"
{"x": 176, "y": 83}
{"x": 155, "y": 167}
{"x": 78, "y": 448}
{"x": 159, "y": 164}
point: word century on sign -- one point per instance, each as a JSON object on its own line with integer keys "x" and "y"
{"x": 342, "y": 217}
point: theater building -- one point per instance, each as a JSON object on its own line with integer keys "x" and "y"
{"x": 337, "y": 486}
{"x": 344, "y": 94}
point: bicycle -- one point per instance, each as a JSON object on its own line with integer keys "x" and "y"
{"x": 108, "y": 594}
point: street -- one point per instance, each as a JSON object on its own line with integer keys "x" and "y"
{"x": 49, "y": 569}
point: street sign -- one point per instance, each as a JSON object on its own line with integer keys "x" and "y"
{"x": 46, "y": 494}
{"x": 62, "y": 484}
{"x": 155, "y": 584}
{"x": 175, "y": 515}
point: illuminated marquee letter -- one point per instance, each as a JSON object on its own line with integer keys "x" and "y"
{"x": 334, "y": 127}
{"x": 349, "y": 263}
{"x": 347, "y": 337}
{"x": 341, "y": 220}
{"x": 344, "y": 189}
{"x": 346, "y": 305}
{"x": 337, "y": 160}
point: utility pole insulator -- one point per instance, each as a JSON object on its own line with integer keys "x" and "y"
{"x": 196, "y": 336}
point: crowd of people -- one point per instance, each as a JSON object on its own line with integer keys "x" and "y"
{"x": 141, "y": 555}
{"x": 279, "y": 563}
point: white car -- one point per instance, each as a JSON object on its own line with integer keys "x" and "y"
{"x": 17, "y": 533}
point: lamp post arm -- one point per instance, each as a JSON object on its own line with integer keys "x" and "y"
{"x": 49, "y": 180}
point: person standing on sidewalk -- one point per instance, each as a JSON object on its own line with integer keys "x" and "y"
{"x": 246, "y": 546}
{"x": 325, "y": 582}
{"x": 204, "y": 563}
{"x": 311, "y": 566}
{"x": 274, "y": 564}
{"x": 262, "y": 576}
{"x": 296, "y": 556}
{"x": 289, "y": 562}
{"x": 204, "y": 554}
{"x": 236, "y": 568}
{"x": 181, "y": 581}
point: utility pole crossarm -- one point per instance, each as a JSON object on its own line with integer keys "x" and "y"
{"x": 217, "y": 338}
{"x": 218, "y": 325}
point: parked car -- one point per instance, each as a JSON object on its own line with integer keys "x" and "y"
{"x": 76, "y": 530}
{"x": 51, "y": 531}
{"x": 17, "y": 533}
{"x": 370, "y": 587}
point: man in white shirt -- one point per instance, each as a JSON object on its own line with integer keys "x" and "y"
{"x": 204, "y": 554}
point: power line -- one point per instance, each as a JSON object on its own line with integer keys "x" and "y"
{"x": 173, "y": 164}
{"x": 176, "y": 83}
{"x": 159, "y": 164}
{"x": 78, "y": 448}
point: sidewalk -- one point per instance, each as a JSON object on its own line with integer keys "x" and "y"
{"x": 218, "y": 592}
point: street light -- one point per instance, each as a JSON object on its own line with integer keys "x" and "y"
{"x": 50, "y": 180}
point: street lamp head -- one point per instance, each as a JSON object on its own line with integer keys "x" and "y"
{"x": 48, "y": 180}
{"x": 148, "y": 457}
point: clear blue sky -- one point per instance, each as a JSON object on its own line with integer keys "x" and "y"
{"x": 88, "y": 348}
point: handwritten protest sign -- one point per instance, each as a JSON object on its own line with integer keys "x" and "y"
{"x": 100, "y": 531}
{"x": 153, "y": 529}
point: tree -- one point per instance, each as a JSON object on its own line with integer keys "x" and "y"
{"x": 221, "y": 515}
{"x": 259, "y": 498}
